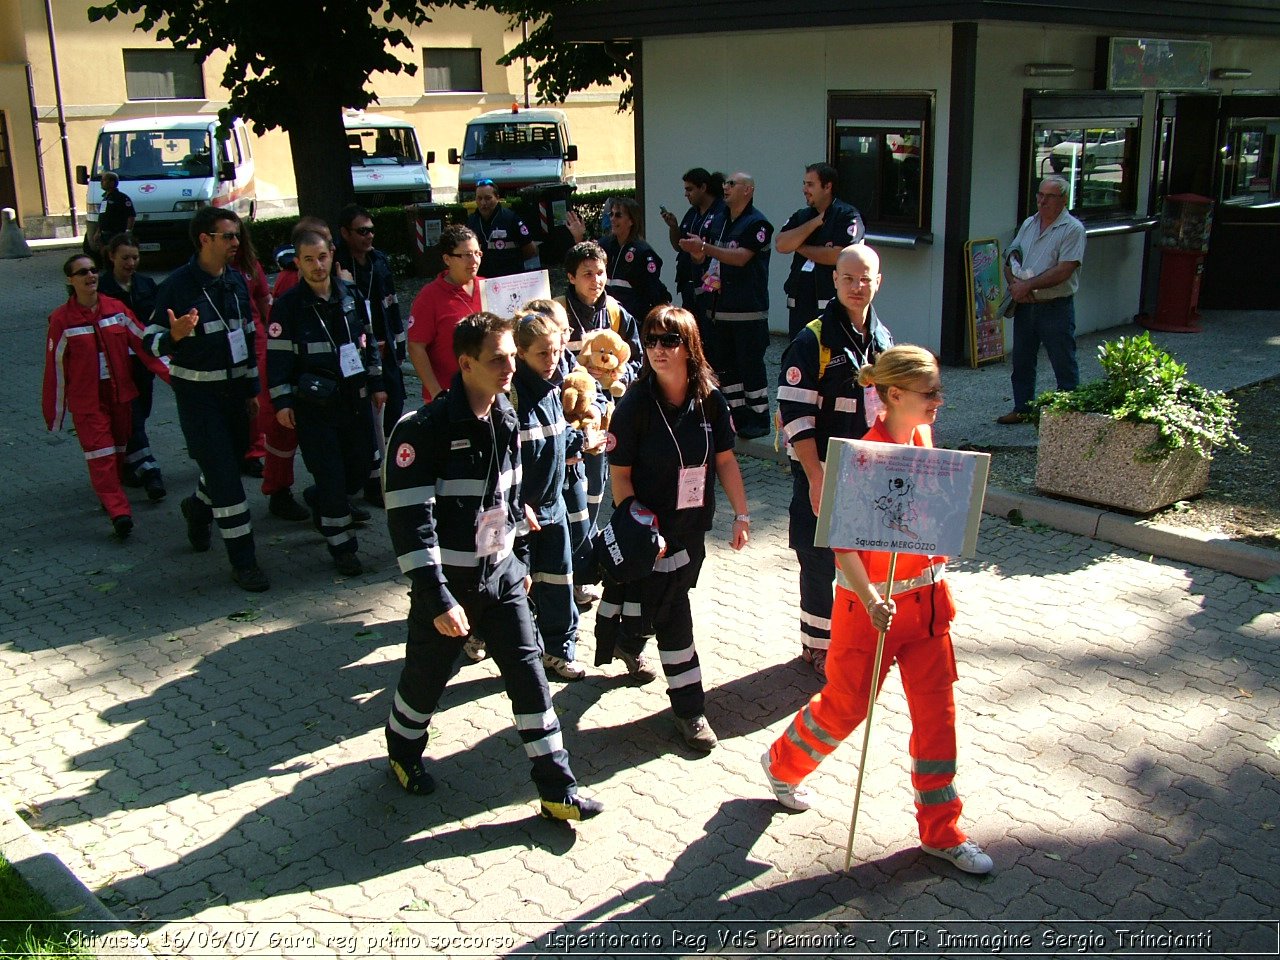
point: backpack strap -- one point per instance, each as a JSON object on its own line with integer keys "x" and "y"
{"x": 824, "y": 352}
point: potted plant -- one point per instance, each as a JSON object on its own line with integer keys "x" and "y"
{"x": 1140, "y": 438}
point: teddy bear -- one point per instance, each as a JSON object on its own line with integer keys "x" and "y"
{"x": 577, "y": 396}
{"x": 605, "y": 355}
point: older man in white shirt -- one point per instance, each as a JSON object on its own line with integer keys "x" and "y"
{"x": 1043, "y": 270}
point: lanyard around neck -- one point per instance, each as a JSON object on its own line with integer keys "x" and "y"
{"x": 325, "y": 327}
{"x": 239, "y": 320}
{"x": 706, "y": 434}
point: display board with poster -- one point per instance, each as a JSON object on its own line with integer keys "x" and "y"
{"x": 898, "y": 498}
{"x": 988, "y": 300}
{"x": 505, "y": 295}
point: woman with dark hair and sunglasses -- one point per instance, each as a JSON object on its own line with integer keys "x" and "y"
{"x": 87, "y": 373}
{"x": 675, "y": 421}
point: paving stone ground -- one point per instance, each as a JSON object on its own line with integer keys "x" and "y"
{"x": 210, "y": 762}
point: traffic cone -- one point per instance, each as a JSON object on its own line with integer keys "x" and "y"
{"x": 13, "y": 245}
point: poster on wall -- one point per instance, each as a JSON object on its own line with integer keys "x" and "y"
{"x": 984, "y": 276}
{"x": 1141, "y": 63}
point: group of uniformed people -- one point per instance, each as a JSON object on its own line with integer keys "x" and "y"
{"x": 307, "y": 370}
{"x": 475, "y": 485}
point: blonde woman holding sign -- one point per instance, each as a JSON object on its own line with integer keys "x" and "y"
{"x": 916, "y": 623}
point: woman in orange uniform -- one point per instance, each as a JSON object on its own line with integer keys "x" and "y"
{"x": 918, "y": 620}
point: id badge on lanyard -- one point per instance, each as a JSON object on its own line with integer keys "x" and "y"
{"x": 491, "y": 531}
{"x": 349, "y": 361}
{"x": 104, "y": 372}
{"x": 711, "y": 278}
{"x": 239, "y": 346}
{"x": 692, "y": 489}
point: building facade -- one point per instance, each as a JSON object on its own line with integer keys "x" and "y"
{"x": 110, "y": 71}
{"x": 942, "y": 117}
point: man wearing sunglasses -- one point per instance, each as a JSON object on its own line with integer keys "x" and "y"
{"x": 819, "y": 398}
{"x": 368, "y": 271}
{"x": 504, "y": 239}
{"x": 203, "y": 323}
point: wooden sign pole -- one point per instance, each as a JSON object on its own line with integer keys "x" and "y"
{"x": 871, "y": 704}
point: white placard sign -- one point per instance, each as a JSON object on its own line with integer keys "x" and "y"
{"x": 897, "y": 498}
{"x": 505, "y": 295}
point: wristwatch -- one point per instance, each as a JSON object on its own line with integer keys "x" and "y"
{"x": 742, "y": 517}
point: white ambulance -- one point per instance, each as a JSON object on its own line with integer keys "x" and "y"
{"x": 515, "y": 148}
{"x": 169, "y": 167}
{"x": 387, "y": 165}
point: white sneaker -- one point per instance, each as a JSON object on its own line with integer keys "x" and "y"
{"x": 587, "y": 594}
{"x": 968, "y": 856}
{"x": 474, "y": 649}
{"x": 562, "y": 668}
{"x": 793, "y": 796}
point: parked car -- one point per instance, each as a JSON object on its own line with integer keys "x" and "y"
{"x": 169, "y": 167}
{"x": 515, "y": 148}
{"x": 1101, "y": 148}
{"x": 387, "y": 165}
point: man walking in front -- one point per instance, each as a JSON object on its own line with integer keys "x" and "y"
{"x": 203, "y": 323}
{"x": 452, "y": 491}
{"x": 819, "y": 398}
{"x": 1043, "y": 271}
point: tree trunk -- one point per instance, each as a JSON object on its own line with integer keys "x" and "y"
{"x": 321, "y": 165}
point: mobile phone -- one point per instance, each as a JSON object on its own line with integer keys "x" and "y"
{"x": 663, "y": 210}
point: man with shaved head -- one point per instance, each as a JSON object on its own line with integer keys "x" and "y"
{"x": 736, "y": 275}
{"x": 819, "y": 398}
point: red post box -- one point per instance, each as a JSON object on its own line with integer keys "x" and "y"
{"x": 1184, "y": 240}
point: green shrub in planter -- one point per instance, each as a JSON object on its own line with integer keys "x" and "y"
{"x": 1144, "y": 384}
{"x": 1139, "y": 439}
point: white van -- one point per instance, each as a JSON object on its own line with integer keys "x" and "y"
{"x": 169, "y": 167}
{"x": 514, "y": 149}
{"x": 387, "y": 165}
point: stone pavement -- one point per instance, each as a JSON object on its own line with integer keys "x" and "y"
{"x": 210, "y": 762}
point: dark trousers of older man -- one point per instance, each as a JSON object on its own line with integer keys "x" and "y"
{"x": 1053, "y": 324}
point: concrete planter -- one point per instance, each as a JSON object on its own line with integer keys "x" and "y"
{"x": 1090, "y": 457}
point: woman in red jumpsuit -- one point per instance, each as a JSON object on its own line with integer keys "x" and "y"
{"x": 918, "y": 620}
{"x": 87, "y": 373}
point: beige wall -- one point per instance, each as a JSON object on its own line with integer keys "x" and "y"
{"x": 762, "y": 107}
{"x": 93, "y": 89}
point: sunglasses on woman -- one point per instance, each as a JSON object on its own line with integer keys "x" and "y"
{"x": 85, "y": 272}
{"x": 669, "y": 340}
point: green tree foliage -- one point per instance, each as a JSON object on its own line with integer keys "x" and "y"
{"x": 562, "y": 67}
{"x": 292, "y": 65}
